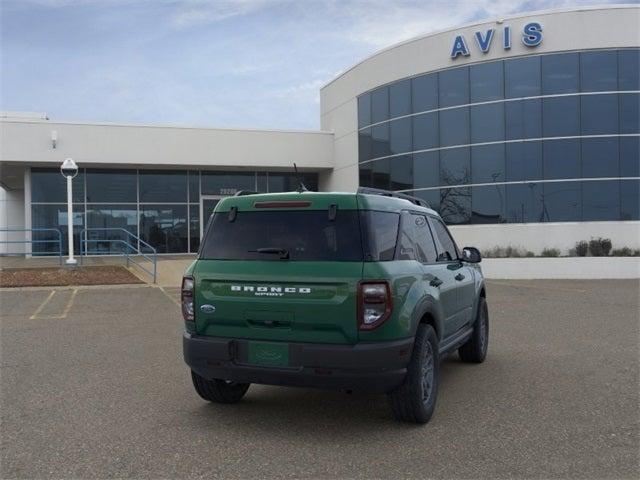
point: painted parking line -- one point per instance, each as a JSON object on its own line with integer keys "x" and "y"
{"x": 38, "y": 315}
{"x": 42, "y": 305}
{"x": 171, "y": 297}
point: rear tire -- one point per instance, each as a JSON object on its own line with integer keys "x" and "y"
{"x": 415, "y": 400}
{"x": 219, "y": 391}
{"x": 475, "y": 350}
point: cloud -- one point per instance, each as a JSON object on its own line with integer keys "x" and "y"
{"x": 191, "y": 13}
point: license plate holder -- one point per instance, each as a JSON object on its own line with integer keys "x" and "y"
{"x": 268, "y": 354}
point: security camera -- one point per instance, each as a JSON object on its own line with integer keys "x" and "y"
{"x": 69, "y": 169}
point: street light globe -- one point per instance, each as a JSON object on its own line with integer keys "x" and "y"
{"x": 69, "y": 169}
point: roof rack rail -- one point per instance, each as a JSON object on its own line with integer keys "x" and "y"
{"x": 388, "y": 193}
{"x": 242, "y": 193}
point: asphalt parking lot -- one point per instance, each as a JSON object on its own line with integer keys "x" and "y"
{"x": 93, "y": 386}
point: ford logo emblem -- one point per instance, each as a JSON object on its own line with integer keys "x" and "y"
{"x": 207, "y": 308}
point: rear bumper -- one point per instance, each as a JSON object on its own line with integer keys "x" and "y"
{"x": 366, "y": 367}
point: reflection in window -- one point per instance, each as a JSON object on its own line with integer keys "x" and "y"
{"x": 454, "y": 87}
{"x": 165, "y": 227}
{"x": 426, "y": 169}
{"x": 107, "y": 186}
{"x": 425, "y": 131}
{"x": 226, "y": 183}
{"x": 599, "y": 71}
{"x": 599, "y": 114}
{"x": 364, "y": 174}
{"x": 523, "y": 161}
{"x": 560, "y": 73}
{"x": 487, "y": 164}
{"x": 488, "y": 204}
{"x": 487, "y": 81}
{"x": 455, "y": 205}
{"x": 380, "y": 105}
{"x": 261, "y": 182}
{"x": 454, "y": 127}
{"x": 401, "y": 174}
{"x": 630, "y": 199}
{"x": 424, "y": 92}
{"x": 400, "y": 135}
{"x": 400, "y": 99}
{"x": 48, "y": 185}
{"x": 562, "y": 202}
{"x": 629, "y": 113}
{"x": 522, "y": 77}
{"x": 380, "y": 173}
{"x": 455, "y": 166}
{"x": 601, "y": 200}
{"x": 523, "y": 119}
{"x": 630, "y": 156}
{"x": 561, "y": 116}
{"x": 629, "y": 69}
{"x": 380, "y": 141}
{"x": 364, "y": 145}
{"x": 194, "y": 186}
{"x": 163, "y": 186}
{"x": 194, "y": 228}
{"x": 53, "y": 216}
{"x": 561, "y": 159}
{"x": 432, "y": 197}
{"x": 524, "y": 203}
{"x": 487, "y": 123}
{"x": 600, "y": 157}
{"x": 288, "y": 182}
{"x": 114, "y": 219}
{"x": 364, "y": 110}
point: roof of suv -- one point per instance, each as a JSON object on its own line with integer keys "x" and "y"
{"x": 318, "y": 201}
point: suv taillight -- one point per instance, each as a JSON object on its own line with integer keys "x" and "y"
{"x": 374, "y": 304}
{"x": 188, "y": 288}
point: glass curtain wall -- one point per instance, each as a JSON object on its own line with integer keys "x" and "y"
{"x": 542, "y": 138}
{"x": 161, "y": 207}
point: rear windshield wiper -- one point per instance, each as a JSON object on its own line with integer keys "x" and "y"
{"x": 284, "y": 253}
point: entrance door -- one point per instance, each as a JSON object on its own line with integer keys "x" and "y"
{"x": 207, "y": 204}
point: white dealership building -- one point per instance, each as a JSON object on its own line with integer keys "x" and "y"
{"x": 521, "y": 131}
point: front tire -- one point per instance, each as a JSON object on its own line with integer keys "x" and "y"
{"x": 475, "y": 350}
{"x": 219, "y": 391}
{"x": 415, "y": 400}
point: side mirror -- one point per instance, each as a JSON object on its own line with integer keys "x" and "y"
{"x": 471, "y": 255}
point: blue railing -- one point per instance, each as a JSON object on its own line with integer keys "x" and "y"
{"x": 128, "y": 249}
{"x": 31, "y": 241}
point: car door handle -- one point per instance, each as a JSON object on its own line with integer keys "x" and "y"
{"x": 459, "y": 277}
{"x": 436, "y": 282}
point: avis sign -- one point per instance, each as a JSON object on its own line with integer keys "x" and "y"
{"x": 531, "y": 37}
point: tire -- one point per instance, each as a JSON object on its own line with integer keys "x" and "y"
{"x": 219, "y": 391}
{"x": 475, "y": 350}
{"x": 415, "y": 400}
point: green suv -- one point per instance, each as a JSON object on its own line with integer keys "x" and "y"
{"x": 361, "y": 291}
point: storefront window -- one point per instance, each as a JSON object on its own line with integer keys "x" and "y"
{"x": 165, "y": 227}
{"x": 163, "y": 186}
{"x": 49, "y": 186}
{"x": 111, "y": 186}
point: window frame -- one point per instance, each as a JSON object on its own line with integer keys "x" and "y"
{"x": 439, "y": 247}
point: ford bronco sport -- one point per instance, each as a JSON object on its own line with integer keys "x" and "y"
{"x": 358, "y": 291}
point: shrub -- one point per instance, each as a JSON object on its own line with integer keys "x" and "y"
{"x": 582, "y": 248}
{"x": 600, "y": 247}
{"x": 625, "y": 252}
{"x": 550, "y": 252}
{"x": 506, "y": 252}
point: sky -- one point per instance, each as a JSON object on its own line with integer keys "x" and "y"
{"x": 219, "y": 63}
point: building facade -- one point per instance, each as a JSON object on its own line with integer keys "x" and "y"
{"x": 520, "y": 132}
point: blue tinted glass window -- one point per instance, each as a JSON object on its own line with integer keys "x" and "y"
{"x": 454, "y": 87}
{"x": 487, "y": 123}
{"x": 524, "y": 203}
{"x": 601, "y": 200}
{"x": 454, "y": 127}
{"x": 380, "y": 173}
{"x": 227, "y": 183}
{"x": 629, "y": 70}
{"x": 562, "y": 202}
{"x": 455, "y": 166}
{"x": 523, "y": 161}
{"x": 380, "y": 105}
{"x": 364, "y": 110}
{"x": 599, "y": 114}
{"x": 630, "y": 199}
{"x": 432, "y": 197}
{"x": 194, "y": 228}
{"x": 630, "y": 156}
{"x": 262, "y": 184}
{"x": 560, "y": 73}
{"x": 400, "y": 135}
{"x": 400, "y": 98}
{"x": 629, "y": 113}
{"x": 487, "y": 81}
{"x": 364, "y": 144}
{"x": 401, "y": 172}
{"x": 194, "y": 186}
{"x": 365, "y": 172}
{"x": 53, "y": 216}
{"x": 426, "y": 169}
{"x": 116, "y": 186}
{"x": 561, "y": 159}
{"x": 487, "y": 164}
{"x": 380, "y": 141}
{"x": 425, "y": 131}
{"x": 599, "y": 71}
{"x": 488, "y": 204}
{"x": 163, "y": 186}
{"x": 561, "y": 116}
{"x": 114, "y": 218}
{"x": 48, "y": 185}
{"x": 455, "y": 205}
{"x": 600, "y": 157}
{"x": 424, "y": 92}
{"x": 523, "y": 119}
{"x": 287, "y": 182}
{"x": 165, "y": 227}
{"x": 522, "y": 77}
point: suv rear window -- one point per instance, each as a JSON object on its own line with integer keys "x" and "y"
{"x": 305, "y": 235}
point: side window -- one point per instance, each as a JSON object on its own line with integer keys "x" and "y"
{"x": 447, "y": 250}
{"x": 380, "y": 230}
{"x": 416, "y": 242}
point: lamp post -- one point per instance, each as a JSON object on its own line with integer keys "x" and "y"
{"x": 69, "y": 169}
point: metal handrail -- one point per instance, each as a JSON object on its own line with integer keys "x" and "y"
{"x": 32, "y": 241}
{"x": 151, "y": 256}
